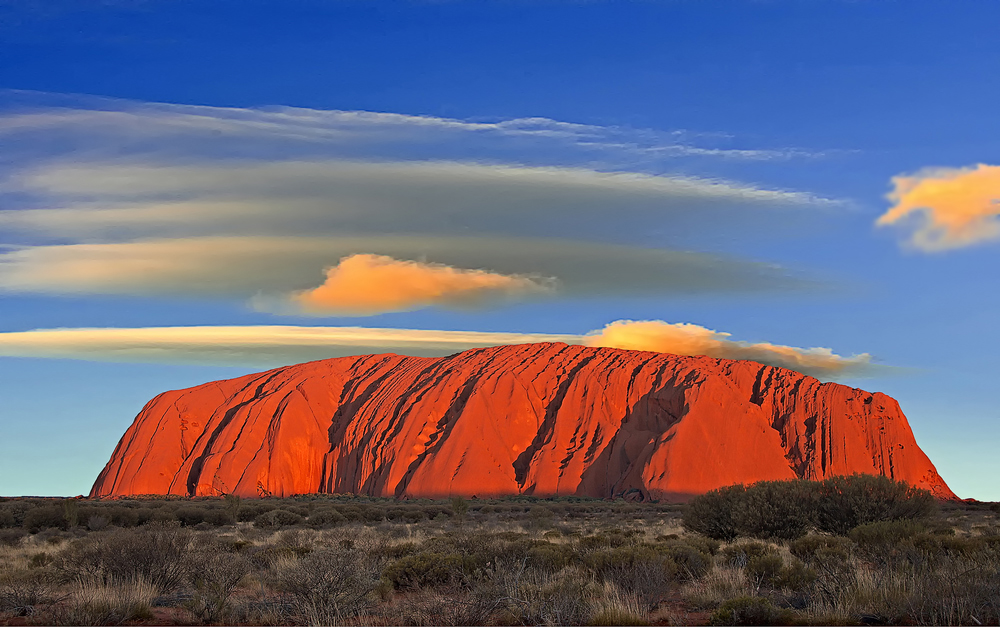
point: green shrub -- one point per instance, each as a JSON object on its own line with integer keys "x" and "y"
{"x": 751, "y": 611}
{"x": 45, "y": 517}
{"x": 712, "y": 513}
{"x": 7, "y": 519}
{"x": 691, "y": 560}
{"x": 810, "y": 547}
{"x": 885, "y": 532}
{"x": 775, "y": 510}
{"x": 328, "y": 517}
{"x": 425, "y": 569}
{"x": 846, "y": 502}
{"x": 551, "y": 557}
{"x": 250, "y": 510}
{"x": 277, "y": 518}
{"x": 796, "y": 577}
{"x": 190, "y": 516}
{"x": 703, "y": 544}
{"x": 739, "y": 555}
{"x": 765, "y": 570}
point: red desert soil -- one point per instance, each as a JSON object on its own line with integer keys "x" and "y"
{"x": 540, "y": 419}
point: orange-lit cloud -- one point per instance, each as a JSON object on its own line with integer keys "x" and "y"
{"x": 363, "y": 285}
{"x": 267, "y": 346}
{"x": 691, "y": 339}
{"x": 947, "y": 207}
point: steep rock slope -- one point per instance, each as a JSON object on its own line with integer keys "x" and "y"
{"x": 542, "y": 419}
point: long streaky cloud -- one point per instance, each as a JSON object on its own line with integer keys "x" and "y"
{"x": 267, "y": 268}
{"x": 947, "y": 208}
{"x": 129, "y": 126}
{"x": 251, "y": 346}
{"x": 268, "y": 346}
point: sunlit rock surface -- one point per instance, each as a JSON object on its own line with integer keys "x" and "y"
{"x": 540, "y": 419}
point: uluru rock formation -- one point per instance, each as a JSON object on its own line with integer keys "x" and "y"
{"x": 540, "y": 419}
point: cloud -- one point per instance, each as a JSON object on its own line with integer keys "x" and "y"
{"x": 267, "y": 346}
{"x": 248, "y": 346}
{"x": 98, "y": 126}
{"x": 947, "y": 208}
{"x": 115, "y": 201}
{"x": 691, "y": 339}
{"x": 117, "y": 197}
{"x": 363, "y": 285}
{"x": 268, "y": 268}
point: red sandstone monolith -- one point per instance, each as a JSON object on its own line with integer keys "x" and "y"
{"x": 539, "y": 419}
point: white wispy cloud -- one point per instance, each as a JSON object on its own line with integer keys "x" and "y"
{"x": 123, "y": 125}
{"x": 266, "y": 346}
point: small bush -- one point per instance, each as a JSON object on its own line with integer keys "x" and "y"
{"x": 739, "y": 555}
{"x": 796, "y": 577}
{"x": 769, "y": 510}
{"x": 97, "y": 522}
{"x": 551, "y": 557}
{"x": 252, "y": 509}
{"x": 277, "y": 518}
{"x": 157, "y": 555}
{"x": 425, "y": 569}
{"x": 641, "y": 570}
{"x": 7, "y": 519}
{"x": 107, "y": 603}
{"x": 21, "y": 595}
{"x": 844, "y": 503}
{"x": 328, "y": 586}
{"x": 812, "y": 547}
{"x": 45, "y": 517}
{"x": 12, "y": 537}
{"x": 690, "y": 557}
{"x": 765, "y": 570}
{"x": 215, "y": 581}
{"x": 885, "y": 532}
{"x": 750, "y": 611}
{"x": 711, "y": 514}
{"x": 323, "y": 518}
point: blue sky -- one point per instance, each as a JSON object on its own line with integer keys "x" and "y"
{"x": 718, "y": 163}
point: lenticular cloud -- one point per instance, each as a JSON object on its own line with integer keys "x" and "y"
{"x": 268, "y": 346}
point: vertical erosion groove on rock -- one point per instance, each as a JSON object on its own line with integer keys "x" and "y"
{"x": 539, "y": 419}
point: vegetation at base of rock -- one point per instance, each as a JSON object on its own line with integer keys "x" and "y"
{"x": 785, "y": 510}
{"x": 515, "y": 561}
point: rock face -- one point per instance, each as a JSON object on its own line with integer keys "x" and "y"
{"x": 541, "y": 419}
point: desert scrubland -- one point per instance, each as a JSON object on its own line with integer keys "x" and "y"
{"x": 857, "y": 550}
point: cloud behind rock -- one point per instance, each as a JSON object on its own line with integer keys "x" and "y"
{"x": 691, "y": 339}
